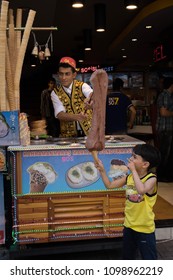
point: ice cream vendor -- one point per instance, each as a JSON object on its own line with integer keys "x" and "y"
{"x": 71, "y": 101}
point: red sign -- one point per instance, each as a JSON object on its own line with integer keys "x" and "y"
{"x": 159, "y": 53}
{"x": 90, "y": 69}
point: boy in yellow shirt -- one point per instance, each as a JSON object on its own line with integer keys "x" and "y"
{"x": 141, "y": 194}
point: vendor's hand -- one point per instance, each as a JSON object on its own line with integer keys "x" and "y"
{"x": 88, "y": 102}
{"x": 81, "y": 117}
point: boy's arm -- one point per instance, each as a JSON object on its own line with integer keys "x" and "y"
{"x": 118, "y": 183}
{"x": 141, "y": 187}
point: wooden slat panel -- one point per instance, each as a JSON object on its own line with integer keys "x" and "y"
{"x": 84, "y": 216}
{"x": 118, "y": 200}
{"x": 78, "y": 220}
{"x": 86, "y": 231}
{"x": 32, "y": 205}
{"x": 33, "y": 216}
{"x": 79, "y": 214}
{"x": 69, "y": 208}
{"x": 33, "y": 227}
{"x": 32, "y": 210}
{"x": 32, "y": 235}
{"x": 116, "y": 210}
{"x": 26, "y": 199}
{"x": 78, "y": 199}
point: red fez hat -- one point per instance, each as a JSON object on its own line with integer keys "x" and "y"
{"x": 68, "y": 60}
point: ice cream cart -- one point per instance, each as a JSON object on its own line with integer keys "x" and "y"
{"x": 58, "y": 194}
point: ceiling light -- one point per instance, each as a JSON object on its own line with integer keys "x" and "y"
{"x": 148, "y": 26}
{"x": 87, "y": 39}
{"x": 134, "y": 40}
{"x": 100, "y": 17}
{"x": 77, "y": 4}
{"x": 131, "y": 4}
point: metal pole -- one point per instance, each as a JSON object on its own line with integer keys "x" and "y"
{"x": 36, "y": 28}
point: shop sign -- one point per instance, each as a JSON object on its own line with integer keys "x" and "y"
{"x": 159, "y": 53}
{"x": 90, "y": 69}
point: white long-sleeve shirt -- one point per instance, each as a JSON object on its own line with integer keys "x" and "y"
{"x": 58, "y": 105}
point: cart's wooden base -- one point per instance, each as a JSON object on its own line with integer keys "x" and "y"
{"x": 64, "y": 217}
{"x": 164, "y": 218}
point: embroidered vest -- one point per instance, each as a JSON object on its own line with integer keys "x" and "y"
{"x": 75, "y": 105}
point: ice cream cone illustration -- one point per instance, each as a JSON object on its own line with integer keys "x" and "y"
{"x": 41, "y": 174}
{"x": 118, "y": 169}
{"x": 4, "y": 127}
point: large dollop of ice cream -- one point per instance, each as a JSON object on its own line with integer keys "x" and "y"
{"x": 117, "y": 169}
{"x": 116, "y": 173}
{"x": 46, "y": 169}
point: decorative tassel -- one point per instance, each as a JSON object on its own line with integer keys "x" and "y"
{"x": 37, "y": 50}
{"x": 47, "y": 53}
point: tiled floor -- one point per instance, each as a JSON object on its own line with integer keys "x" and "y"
{"x": 164, "y": 234}
{"x": 165, "y": 190}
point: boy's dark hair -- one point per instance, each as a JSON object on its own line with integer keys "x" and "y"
{"x": 167, "y": 82}
{"x": 148, "y": 153}
{"x": 117, "y": 84}
{"x": 66, "y": 65}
